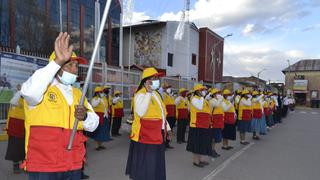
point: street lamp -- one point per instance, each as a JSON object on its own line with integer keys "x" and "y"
{"x": 258, "y": 74}
{"x": 213, "y": 56}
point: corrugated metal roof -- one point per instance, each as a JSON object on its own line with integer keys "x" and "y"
{"x": 304, "y": 65}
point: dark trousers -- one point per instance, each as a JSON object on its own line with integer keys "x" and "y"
{"x": 68, "y": 175}
{"x": 116, "y": 124}
{"x": 284, "y": 110}
{"x": 181, "y": 129}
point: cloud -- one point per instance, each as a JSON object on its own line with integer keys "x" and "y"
{"x": 262, "y": 16}
{"x": 134, "y": 17}
{"x": 250, "y": 59}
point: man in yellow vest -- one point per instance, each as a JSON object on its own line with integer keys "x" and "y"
{"x": 50, "y": 111}
{"x": 107, "y": 91}
{"x": 15, "y": 130}
{"x": 168, "y": 100}
{"x": 117, "y": 113}
{"x": 217, "y": 119}
{"x": 245, "y": 116}
{"x": 182, "y": 115}
{"x": 146, "y": 159}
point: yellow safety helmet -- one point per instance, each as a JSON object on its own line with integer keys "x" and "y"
{"x": 198, "y": 87}
{"x": 116, "y": 92}
{"x": 270, "y": 94}
{"x": 226, "y": 92}
{"x": 215, "y": 91}
{"x": 106, "y": 87}
{"x": 81, "y": 60}
{"x": 181, "y": 90}
{"x": 255, "y": 93}
{"x": 98, "y": 89}
{"x": 238, "y": 91}
{"x": 245, "y": 92}
{"x": 150, "y": 72}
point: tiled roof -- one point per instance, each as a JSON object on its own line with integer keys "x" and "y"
{"x": 304, "y": 65}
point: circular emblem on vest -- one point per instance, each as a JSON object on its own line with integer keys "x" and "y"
{"x": 52, "y": 97}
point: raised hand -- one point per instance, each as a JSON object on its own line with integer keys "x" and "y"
{"x": 62, "y": 49}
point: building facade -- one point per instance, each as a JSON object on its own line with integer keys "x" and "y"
{"x": 302, "y": 79}
{"x": 210, "y": 56}
{"x": 152, "y": 43}
{"x": 34, "y": 24}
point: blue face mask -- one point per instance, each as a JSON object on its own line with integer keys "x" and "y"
{"x": 68, "y": 78}
{"x": 155, "y": 84}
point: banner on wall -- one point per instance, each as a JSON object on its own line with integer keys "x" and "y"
{"x": 16, "y": 69}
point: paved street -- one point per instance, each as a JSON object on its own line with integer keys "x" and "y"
{"x": 289, "y": 151}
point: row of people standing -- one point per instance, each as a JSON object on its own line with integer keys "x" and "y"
{"x": 110, "y": 112}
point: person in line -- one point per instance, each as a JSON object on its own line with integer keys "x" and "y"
{"x": 217, "y": 119}
{"x": 256, "y": 115}
{"x": 245, "y": 116}
{"x": 285, "y": 106}
{"x": 182, "y": 115}
{"x": 170, "y": 107}
{"x": 100, "y": 106}
{"x": 51, "y": 107}
{"x": 117, "y": 113}
{"x": 200, "y": 136}
{"x": 16, "y": 131}
{"x": 146, "y": 158}
{"x": 229, "y": 130}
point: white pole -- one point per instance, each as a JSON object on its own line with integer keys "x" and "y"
{"x": 121, "y": 46}
{"x": 89, "y": 73}
{"x": 60, "y": 15}
{"x": 129, "y": 47}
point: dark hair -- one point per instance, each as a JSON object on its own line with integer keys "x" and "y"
{"x": 142, "y": 83}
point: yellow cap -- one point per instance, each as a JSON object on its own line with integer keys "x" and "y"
{"x": 198, "y": 87}
{"x": 106, "y": 87}
{"x": 269, "y": 93}
{"x": 255, "y": 93}
{"x": 117, "y": 92}
{"x": 81, "y": 60}
{"x": 150, "y": 72}
{"x": 238, "y": 91}
{"x": 214, "y": 91}
{"x": 226, "y": 92}
{"x": 98, "y": 89}
{"x": 245, "y": 92}
{"x": 181, "y": 90}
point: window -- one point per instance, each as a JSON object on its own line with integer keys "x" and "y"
{"x": 194, "y": 59}
{"x": 170, "y": 59}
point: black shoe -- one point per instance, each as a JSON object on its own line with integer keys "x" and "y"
{"x": 229, "y": 147}
{"x": 119, "y": 134}
{"x": 84, "y": 176}
{"x": 169, "y": 147}
{"x": 244, "y": 143}
{"x": 255, "y": 138}
{"x": 204, "y": 163}
{"x": 198, "y": 165}
{"x": 225, "y": 148}
{"x": 215, "y": 154}
{"x": 179, "y": 142}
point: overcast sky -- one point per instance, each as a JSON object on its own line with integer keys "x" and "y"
{"x": 266, "y": 33}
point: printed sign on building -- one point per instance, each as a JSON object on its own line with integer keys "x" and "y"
{"x": 300, "y": 85}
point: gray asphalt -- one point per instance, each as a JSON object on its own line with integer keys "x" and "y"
{"x": 289, "y": 151}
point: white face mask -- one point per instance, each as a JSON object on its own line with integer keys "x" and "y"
{"x": 67, "y": 78}
{"x": 168, "y": 90}
{"x": 155, "y": 84}
{"x": 229, "y": 98}
{"x": 102, "y": 95}
{"x": 203, "y": 93}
